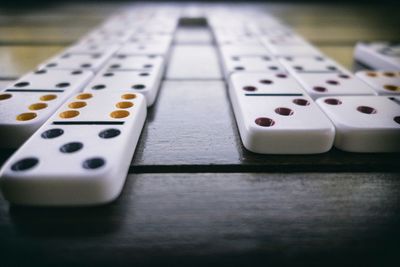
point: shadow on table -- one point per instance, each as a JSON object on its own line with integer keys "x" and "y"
{"x": 70, "y": 222}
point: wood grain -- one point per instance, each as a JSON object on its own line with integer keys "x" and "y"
{"x": 205, "y": 219}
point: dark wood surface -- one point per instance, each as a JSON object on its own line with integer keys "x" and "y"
{"x": 195, "y": 196}
{"x": 210, "y": 219}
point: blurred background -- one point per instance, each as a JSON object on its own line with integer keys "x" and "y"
{"x": 32, "y": 31}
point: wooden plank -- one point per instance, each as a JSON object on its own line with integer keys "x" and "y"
{"x": 17, "y": 60}
{"x": 317, "y": 219}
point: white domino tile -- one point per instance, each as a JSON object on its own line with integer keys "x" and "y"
{"x": 237, "y": 39}
{"x": 311, "y": 64}
{"x": 30, "y": 101}
{"x": 73, "y": 61}
{"x": 103, "y": 36}
{"x": 251, "y": 64}
{"x": 146, "y": 82}
{"x": 144, "y": 63}
{"x": 292, "y": 50}
{"x": 87, "y": 48}
{"x": 265, "y": 84}
{"x": 143, "y": 39}
{"x": 277, "y": 117}
{"x": 332, "y": 84}
{"x": 144, "y": 49}
{"x": 243, "y": 50}
{"x": 364, "y": 123}
{"x": 80, "y": 156}
{"x": 383, "y": 82}
{"x": 286, "y": 38}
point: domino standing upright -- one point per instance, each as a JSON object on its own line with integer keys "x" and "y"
{"x": 81, "y": 155}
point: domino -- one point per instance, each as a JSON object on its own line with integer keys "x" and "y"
{"x": 285, "y": 38}
{"x": 265, "y": 21}
{"x": 292, "y": 50}
{"x": 73, "y": 61}
{"x": 143, "y": 63}
{"x": 265, "y": 84}
{"x": 383, "y": 82}
{"x": 29, "y": 102}
{"x": 313, "y": 64}
{"x": 80, "y": 156}
{"x": 143, "y": 39}
{"x": 146, "y": 82}
{"x": 144, "y": 49}
{"x": 243, "y": 50}
{"x": 278, "y": 118}
{"x": 378, "y": 55}
{"x": 287, "y": 43}
{"x": 364, "y": 123}
{"x": 251, "y": 64}
{"x": 89, "y": 48}
{"x": 332, "y": 84}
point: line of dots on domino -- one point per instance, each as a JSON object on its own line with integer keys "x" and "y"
{"x": 89, "y": 143}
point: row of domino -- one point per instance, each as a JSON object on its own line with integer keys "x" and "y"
{"x": 379, "y": 55}
{"x": 274, "y": 78}
{"x": 85, "y": 108}
{"x": 108, "y": 58}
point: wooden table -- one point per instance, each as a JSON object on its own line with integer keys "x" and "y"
{"x": 194, "y": 195}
